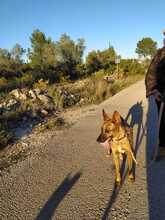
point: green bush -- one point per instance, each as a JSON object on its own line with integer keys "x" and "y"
{"x": 116, "y": 87}
{"x": 132, "y": 67}
{"x": 3, "y": 82}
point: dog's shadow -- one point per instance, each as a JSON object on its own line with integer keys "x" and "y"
{"x": 116, "y": 190}
{"x": 134, "y": 117}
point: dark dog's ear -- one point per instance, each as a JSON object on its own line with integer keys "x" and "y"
{"x": 116, "y": 118}
{"x": 105, "y": 116}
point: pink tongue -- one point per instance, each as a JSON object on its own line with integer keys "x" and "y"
{"x": 105, "y": 144}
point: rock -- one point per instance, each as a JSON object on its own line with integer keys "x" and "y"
{"x": 68, "y": 99}
{"x": 109, "y": 79}
{"x": 22, "y": 96}
{"x": 60, "y": 122}
{"x": 45, "y": 99}
{"x": 44, "y": 112}
{"x": 15, "y": 93}
{"x": 1, "y": 108}
{"x": 82, "y": 101}
{"x": 12, "y": 104}
{"x": 18, "y": 94}
{"x": 32, "y": 94}
{"x": 37, "y": 91}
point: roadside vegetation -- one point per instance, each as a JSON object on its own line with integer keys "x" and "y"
{"x": 50, "y": 76}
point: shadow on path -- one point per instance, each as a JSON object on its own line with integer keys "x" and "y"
{"x": 155, "y": 170}
{"x": 51, "y": 205}
{"x": 136, "y": 115}
{"x": 115, "y": 191}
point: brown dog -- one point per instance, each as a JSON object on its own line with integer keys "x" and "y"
{"x": 117, "y": 137}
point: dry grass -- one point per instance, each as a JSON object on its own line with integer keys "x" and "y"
{"x": 93, "y": 90}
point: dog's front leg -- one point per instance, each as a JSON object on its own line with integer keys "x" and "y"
{"x": 117, "y": 166}
{"x": 130, "y": 166}
{"x": 108, "y": 152}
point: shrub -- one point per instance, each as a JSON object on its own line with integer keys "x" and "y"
{"x": 116, "y": 87}
{"x": 41, "y": 85}
{"x": 5, "y": 135}
{"x": 3, "y": 83}
{"x": 132, "y": 67}
{"x": 99, "y": 74}
{"x": 26, "y": 80}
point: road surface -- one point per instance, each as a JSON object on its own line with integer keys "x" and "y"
{"x": 71, "y": 178}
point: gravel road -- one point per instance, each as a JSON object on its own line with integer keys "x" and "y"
{"x": 70, "y": 177}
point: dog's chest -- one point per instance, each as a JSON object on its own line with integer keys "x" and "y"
{"x": 120, "y": 145}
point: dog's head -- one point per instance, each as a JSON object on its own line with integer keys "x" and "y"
{"x": 109, "y": 127}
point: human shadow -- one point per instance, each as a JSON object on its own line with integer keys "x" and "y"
{"x": 58, "y": 195}
{"x": 135, "y": 114}
{"x": 154, "y": 170}
{"x": 134, "y": 117}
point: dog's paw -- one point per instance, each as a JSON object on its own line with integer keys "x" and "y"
{"x": 117, "y": 181}
{"x": 108, "y": 153}
{"x": 131, "y": 178}
{"x": 121, "y": 157}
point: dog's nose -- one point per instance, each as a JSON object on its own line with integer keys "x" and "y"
{"x": 99, "y": 139}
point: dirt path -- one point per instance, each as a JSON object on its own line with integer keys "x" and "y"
{"x": 70, "y": 177}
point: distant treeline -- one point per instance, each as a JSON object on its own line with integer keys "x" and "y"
{"x": 61, "y": 60}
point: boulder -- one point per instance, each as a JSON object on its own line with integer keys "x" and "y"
{"x": 32, "y": 94}
{"x": 12, "y": 104}
{"x": 15, "y": 93}
{"x": 68, "y": 99}
{"x": 37, "y": 91}
{"x": 44, "y": 112}
{"x": 22, "y": 96}
{"x": 44, "y": 99}
{"x": 18, "y": 94}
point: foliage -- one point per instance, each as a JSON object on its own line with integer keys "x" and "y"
{"x": 54, "y": 67}
{"x": 93, "y": 62}
{"x": 41, "y": 85}
{"x": 132, "y": 67}
{"x": 17, "y": 53}
{"x": 146, "y": 47}
{"x": 107, "y": 57}
{"x": 97, "y": 60}
{"x": 62, "y": 56}
{"x": 60, "y": 61}
{"x": 5, "y": 135}
{"x": 35, "y": 53}
{"x": 69, "y": 55}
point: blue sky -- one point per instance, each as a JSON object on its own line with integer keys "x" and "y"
{"x": 121, "y": 22}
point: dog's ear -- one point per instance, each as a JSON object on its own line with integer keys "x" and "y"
{"x": 105, "y": 116}
{"x": 116, "y": 118}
